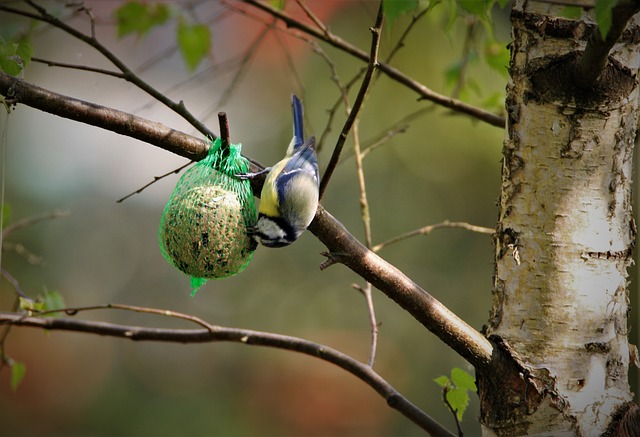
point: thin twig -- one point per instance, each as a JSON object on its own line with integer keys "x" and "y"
{"x": 244, "y": 65}
{"x": 466, "y": 56}
{"x": 366, "y": 219}
{"x": 345, "y": 88}
{"x": 89, "y": 13}
{"x": 367, "y": 291}
{"x": 210, "y": 72}
{"x": 219, "y": 334}
{"x": 362, "y": 92}
{"x": 313, "y": 17}
{"x": 395, "y": 74}
{"x": 155, "y": 179}
{"x": 455, "y": 415}
{"x": 364, "y": 202}
{"x": 427, "y": 229}
{"x": 382, "y": 140}
{"x": 72, "y": 311}
{"x": 400, "y": 43}
{"x": 366, "y": 222}
{"x": 291, "y": 64}
{"x": 16, "y": 285}
{"x": 32, "y": 220}
{"x": 342, "y": 88}
{"x": 4, "y": 359}
{"x": 22, "y": 251}
{"x": 102, "y": 71}
{"x": 225, "y": 135}
{"x": 128, "y": 74}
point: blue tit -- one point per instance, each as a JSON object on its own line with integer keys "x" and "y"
{"x": 289, "y": 198}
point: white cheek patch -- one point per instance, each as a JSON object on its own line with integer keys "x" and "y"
{"x": 269, "y": 229}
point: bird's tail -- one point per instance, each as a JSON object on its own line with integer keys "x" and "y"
{"x": 298, "y": 123}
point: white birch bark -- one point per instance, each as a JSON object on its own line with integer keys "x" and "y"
{"x": 566, "y": 232}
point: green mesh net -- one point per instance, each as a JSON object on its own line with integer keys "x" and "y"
{"x": 203, "y": 229}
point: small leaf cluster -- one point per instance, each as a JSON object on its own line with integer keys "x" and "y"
{"x": 14, "y": 56}
{"x": 481, "y": 45}
{"x": 139, "y": 18}
{"x": 48, "y": 301}
{"x": 455, "y": 390}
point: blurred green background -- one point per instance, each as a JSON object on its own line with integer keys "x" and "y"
{"x": 444, "y": 166}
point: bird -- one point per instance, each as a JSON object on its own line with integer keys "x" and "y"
{"x": 289, "y": 197}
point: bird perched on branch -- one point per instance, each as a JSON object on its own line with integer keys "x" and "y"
{"x": 289, "y": 197}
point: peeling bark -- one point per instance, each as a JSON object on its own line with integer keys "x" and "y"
{"x": 565, "y": 232}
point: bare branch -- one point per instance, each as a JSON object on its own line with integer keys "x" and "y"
{"x": 343, "y": 92}
{"x": 128, "y": 74}
{"x": 213, "y": 333}
{"x": 395, "y": 74}
{"x": 362, "y": 92}
{"x": 368, "y": 295}
{"x": 79, "y": 67}
{"x": 323, "y": 27}
{"x": 72, "y": 311}
{"x": 453, "y": 411}
{"x": 427, "y": 229}
{"x": 32, "y": 220}
{"x": 400, "y": 43}
{"x": 19, "y": 91}
{"x": 453, "y": 331}
{"x": 242, "y": 69}
{"x": 22, "y": 251}
{"x": 155, "y": 179}
{"x": 16, "y": 285}
{"x": 466, "y": 55}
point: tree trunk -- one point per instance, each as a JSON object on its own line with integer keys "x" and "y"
{"x": 565, "y": 233}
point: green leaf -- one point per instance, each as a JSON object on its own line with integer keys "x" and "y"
{"x": 571, "y": 12}
{"x": 18, "y": 370}
{"x": 442, "y": 381}
{"x": 25, "y": 52}
{"x": 194, "y": 42}
{"x": 277, "y": 4}
{"x": 494, "y": 101}
{"x": 27, "y": 304}
{"x": 475, "y": 7}
{"x": 603, "y": 12}
{"x": 497, "y": 56}
{"x": 463, "y": 380}
{"x": 452, "y": 73}
{"x": 459, "y": 400}
{"x": 14, "y": 56}
{"x": 140, "y": 18}
{"x": 394, "y": 8}
{"x": 52, "y": 300}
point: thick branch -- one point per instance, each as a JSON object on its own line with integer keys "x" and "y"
{"x": 453, "y": 331}
{"x": 217, "y": 334}
{"x": 594, "y": 59}
{"x": 18, "y": 91}
{"x": 393, "y": 73}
